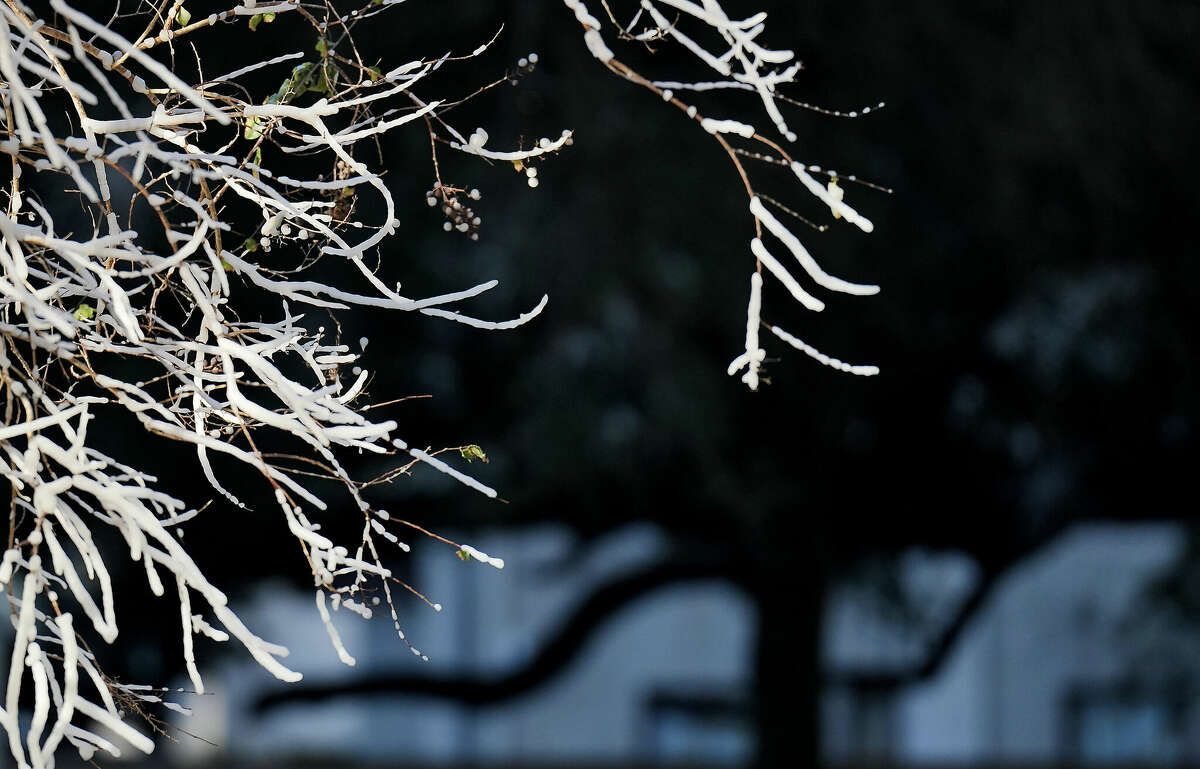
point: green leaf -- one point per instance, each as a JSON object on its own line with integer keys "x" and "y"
{"x": 463, "y": 555}
{"x": 376, "y": 73}
{"x": 326, "y": 77}
{"x": 251, "y": 244}
{"x": 183, "y": 17}
{"x": 255, "y": 20}
{"x": 322, "y": 47}
{"x": 304, "y": 78}
{"x": 228, "y": 267}
{"x": 85, "y": 311}
{"x": 252, "y": 131}
{"x": 473, "y": 452}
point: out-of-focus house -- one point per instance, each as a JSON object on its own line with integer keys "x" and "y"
{"x": 653, "y": 684}
{"x": 1046, "y": 670}
{"x": 1051, "y": 669}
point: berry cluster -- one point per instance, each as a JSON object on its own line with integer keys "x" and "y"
{"x": 525, "y": 66}
{"x": 459, "y": 216}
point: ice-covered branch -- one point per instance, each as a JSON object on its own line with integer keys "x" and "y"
{"x": 209, "y": 224}
{"x": 741, "y": 63}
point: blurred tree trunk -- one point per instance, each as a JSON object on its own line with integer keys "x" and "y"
{"x": 787, "y": 667}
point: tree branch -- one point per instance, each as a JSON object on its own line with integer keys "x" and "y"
{"x": 563, "y": 646}
{"x": 936, "y": 655}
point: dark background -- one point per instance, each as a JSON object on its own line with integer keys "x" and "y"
{"x": 1034, "y": 330}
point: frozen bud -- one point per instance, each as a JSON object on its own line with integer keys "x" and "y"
{"x": 533, "y": 182}
{"x": 533, "y": 58}
{"x": 530, "y": 171}
{"x": 447, "y": 226}
{"x": 431, "y": 200}
{"x": 477, "y": 221}
{"x": 462, "y": 227}
{"x": 474, "y": 194}
{"x": 522, "y": 62}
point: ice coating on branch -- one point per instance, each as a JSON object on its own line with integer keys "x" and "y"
{"x": 744, "y": 63}
{"x": 448, "y": 470}
{"x": 817, "y": 355}
{"x": 834, "y": 202}
{"x": 484, "y": 557}
{"x": 334, "y": 637}
{"x": 727, "y": 127}
{"x": 474, "y": 146}
{"x": 775, "y": 268}
{"x": 752, "y": 358}
{"x": 591, "y": 35}
{"x": 793, "y": 244}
